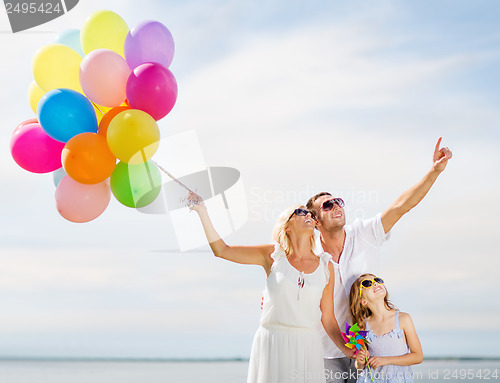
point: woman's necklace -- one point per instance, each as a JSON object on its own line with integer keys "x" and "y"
{"x": 301, "y": 283}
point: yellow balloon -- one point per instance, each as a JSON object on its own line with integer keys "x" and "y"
{"x": 35, "y": 93}
{"x": 57, "y": 66}
{"x": 104, "y": 29}
{"x": 133, "y": 136}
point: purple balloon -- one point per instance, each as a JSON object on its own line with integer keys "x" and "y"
{"x": 34, "y": 150}
{"x": 149, "y": 41}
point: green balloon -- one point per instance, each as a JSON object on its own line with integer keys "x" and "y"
{"x": 136, "y": 185}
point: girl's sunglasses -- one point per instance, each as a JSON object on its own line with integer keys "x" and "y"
{"x": 368, "y": 283}
{"x": 328, "y": 205}
{"x": 302, "y": 213}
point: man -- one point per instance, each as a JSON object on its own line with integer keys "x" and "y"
{"x": 354, "y": 250}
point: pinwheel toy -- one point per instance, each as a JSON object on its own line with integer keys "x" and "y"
{"x": 356, "y": 338}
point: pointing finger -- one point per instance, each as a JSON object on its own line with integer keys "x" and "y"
{"x": 437, "y": 144}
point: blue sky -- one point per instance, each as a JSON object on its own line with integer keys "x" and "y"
{"x": 299, "y": 97}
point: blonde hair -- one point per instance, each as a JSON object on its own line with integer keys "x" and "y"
{"x": 280, "y": 235}
{"x": 360, "y": 312}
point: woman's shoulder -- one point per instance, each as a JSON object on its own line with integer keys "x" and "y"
{"x": 275, "y": 252}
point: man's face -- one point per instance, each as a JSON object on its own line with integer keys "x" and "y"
{"x": 333, "y": 219}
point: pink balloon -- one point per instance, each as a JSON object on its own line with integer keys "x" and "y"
{"x": 152, "y": 88}
{"x": 34, "y": 150}
{"x": 80, "y": 203}
{"x": 103, "y": 77}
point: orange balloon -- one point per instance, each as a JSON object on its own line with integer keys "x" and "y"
{"x": 103, "y": 125}
{"x": 86, "y": 158}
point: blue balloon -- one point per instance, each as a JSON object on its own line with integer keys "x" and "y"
{"x": 70, "y": 38}
{"x": 64, "y": 113}
{"x": 58, "y": 175}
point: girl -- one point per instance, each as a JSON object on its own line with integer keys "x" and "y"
{"x": 394, "y": 345}
{"x": 297, "y": 298}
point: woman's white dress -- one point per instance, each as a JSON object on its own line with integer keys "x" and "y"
{"x": 287, "y": 346}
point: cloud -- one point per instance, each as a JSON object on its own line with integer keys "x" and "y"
{"x": 122, "y": 290}
{"x": 277, "y": 80}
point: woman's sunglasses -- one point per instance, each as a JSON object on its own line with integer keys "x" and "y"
{"x": 328, "y": 205}
{"x": 302, "y": 213}
{"x": 368, "y": 283}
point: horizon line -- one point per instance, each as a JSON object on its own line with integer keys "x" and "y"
{"x": 196, "y": 360}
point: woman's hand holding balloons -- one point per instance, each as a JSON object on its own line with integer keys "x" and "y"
{"x": 195, "y": 202}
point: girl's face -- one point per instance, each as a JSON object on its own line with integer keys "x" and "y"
{"x": 376, "y": 292}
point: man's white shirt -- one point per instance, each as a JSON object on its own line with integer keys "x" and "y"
{"x": 360, "y": 255}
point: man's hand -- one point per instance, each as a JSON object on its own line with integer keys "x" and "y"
{"x": 441, "y": 157}
{"x": 349, "y": 352}
{"x": 412, "y": 197}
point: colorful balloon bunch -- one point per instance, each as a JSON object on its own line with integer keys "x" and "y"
{"x": 98, "y": 94}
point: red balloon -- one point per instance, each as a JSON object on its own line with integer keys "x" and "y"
{"x": 152, "y": 88}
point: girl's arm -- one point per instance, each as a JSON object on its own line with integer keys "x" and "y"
{"x": 415, "y": 356}
{"x": 328, "y": 317}
{"x": 250, "y": 255}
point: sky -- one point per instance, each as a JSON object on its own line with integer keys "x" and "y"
{"x": 299, "y": 97}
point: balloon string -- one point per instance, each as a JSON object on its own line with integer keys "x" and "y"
{"x": 147, "y": 168}
{"x": 99, "y": 109}
{"x": 171, "y": 176}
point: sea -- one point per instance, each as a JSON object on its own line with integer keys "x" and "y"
{"x": 214, "y": 371}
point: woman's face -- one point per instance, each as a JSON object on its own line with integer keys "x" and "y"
{"x": 301, "y": 220}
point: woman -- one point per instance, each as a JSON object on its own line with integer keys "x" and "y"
{"x": 297, "y": 298}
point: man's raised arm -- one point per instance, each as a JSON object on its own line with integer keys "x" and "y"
{"x": 411, "y": 197}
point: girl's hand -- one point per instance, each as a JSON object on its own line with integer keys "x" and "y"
{"x": 361, "y": 357}
{"x": 377, "y": 361}
{"x": 195, "y": 202}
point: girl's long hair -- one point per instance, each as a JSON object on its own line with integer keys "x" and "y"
{"x": 360, "y": 312}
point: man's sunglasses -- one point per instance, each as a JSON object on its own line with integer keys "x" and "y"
{"x": 328, "y": 205}
{"x": 302, "y": 213}
{"x": 368, "y": 283}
